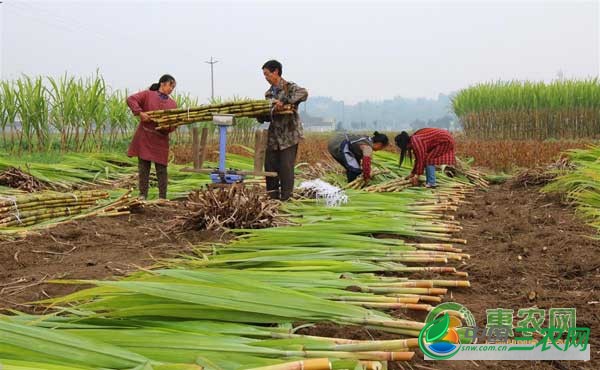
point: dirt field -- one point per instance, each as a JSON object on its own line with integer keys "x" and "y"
{"x": 92, "y": 248}
{"x": 559, "y": 267}
{"x": 527, "y": 250}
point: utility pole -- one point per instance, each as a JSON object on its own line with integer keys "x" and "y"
{"x": 212, "y": 62}
{"x": 199, "y": 144}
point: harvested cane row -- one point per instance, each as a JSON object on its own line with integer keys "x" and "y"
{"x": 26, "y": 210}
{"x": 177, "y": 117}
{"x": 22, "y": 213}
{"x": 233, "y": 306}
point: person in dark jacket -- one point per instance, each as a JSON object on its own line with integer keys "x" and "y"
{"x": 354, "y": 152}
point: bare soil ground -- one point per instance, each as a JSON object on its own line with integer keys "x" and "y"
{"x": 92, "y": 248}
{"x": 527, "y": 249}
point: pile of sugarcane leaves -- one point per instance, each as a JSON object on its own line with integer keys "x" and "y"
{"x": 232, "y": 306}
{"x": 542, "y": 175}
{"x": 232, "y": 207}
{"x": 15, "y": 178}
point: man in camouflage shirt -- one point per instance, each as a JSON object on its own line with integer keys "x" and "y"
{"x": 285, "y": 131}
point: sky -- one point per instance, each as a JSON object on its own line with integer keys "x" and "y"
{"x": 348, "y": 50}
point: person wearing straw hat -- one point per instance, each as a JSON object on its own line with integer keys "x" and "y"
{"x": 148, "y": 143}
{"x": 354, "y": 152}
{"x": 431, "y": 147}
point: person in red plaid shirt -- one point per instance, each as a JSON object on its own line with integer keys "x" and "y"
{"x": 431, "y": 147}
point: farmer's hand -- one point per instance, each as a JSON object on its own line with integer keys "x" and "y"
{"x": 145, "y": 117}
{"x": 278, "y": 105}
{"x": 414, "y": 180}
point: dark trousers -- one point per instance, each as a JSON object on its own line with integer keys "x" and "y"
{"x": 351, "y": 173}
{"x": 282, "y": 162}
{"x": 144, "y": 178}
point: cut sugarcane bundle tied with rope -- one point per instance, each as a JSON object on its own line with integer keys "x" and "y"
{"x": 25, "y": 210}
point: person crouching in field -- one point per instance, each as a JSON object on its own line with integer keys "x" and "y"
{"x": 149, "y": 144}
{"x": 285, "y": 131}
{"x": 354, "y": 152}
{"x": 431, "y": 147}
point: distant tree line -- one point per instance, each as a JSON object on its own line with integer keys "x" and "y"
{"x": 390, "y": 114}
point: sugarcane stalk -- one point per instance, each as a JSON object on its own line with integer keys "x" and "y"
{"x": 396, "y": 323}
{"x": 371, "y": 355}
{"x": 41, "y": 197}
{"x": 49, "y": 203}
{"x": 425, "y": 283}
{"x": 379, "y": 345}
{"x": 33, "y": 208}
{"x": 309, "y": 364}
{"x": 384, "y": 305}
{"x": 436, "y": 247}
{"x": 423, "y": 298}
{"x": 30, "y": 213}
{"x": 38, "y": 218}
{"x": 385, "y": 290}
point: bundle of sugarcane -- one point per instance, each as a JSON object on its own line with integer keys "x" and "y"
{"x": 235, "y": 207}
{"x": 250, "y": 108}
{"x": 365, "y": 290}
{"x": 226, "y": 345}
{"x": 121, "y": 206}
{"x": 360, "y": 182}
{"x": 30, "y": 209}
{"x": 392, "y": 185}
{"x": 17, "y": 179}
{"x": 462, "y": 168}
{"x": 477, "y": 178}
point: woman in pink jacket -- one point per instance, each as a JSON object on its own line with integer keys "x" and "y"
{"x": 149, "y": 144}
